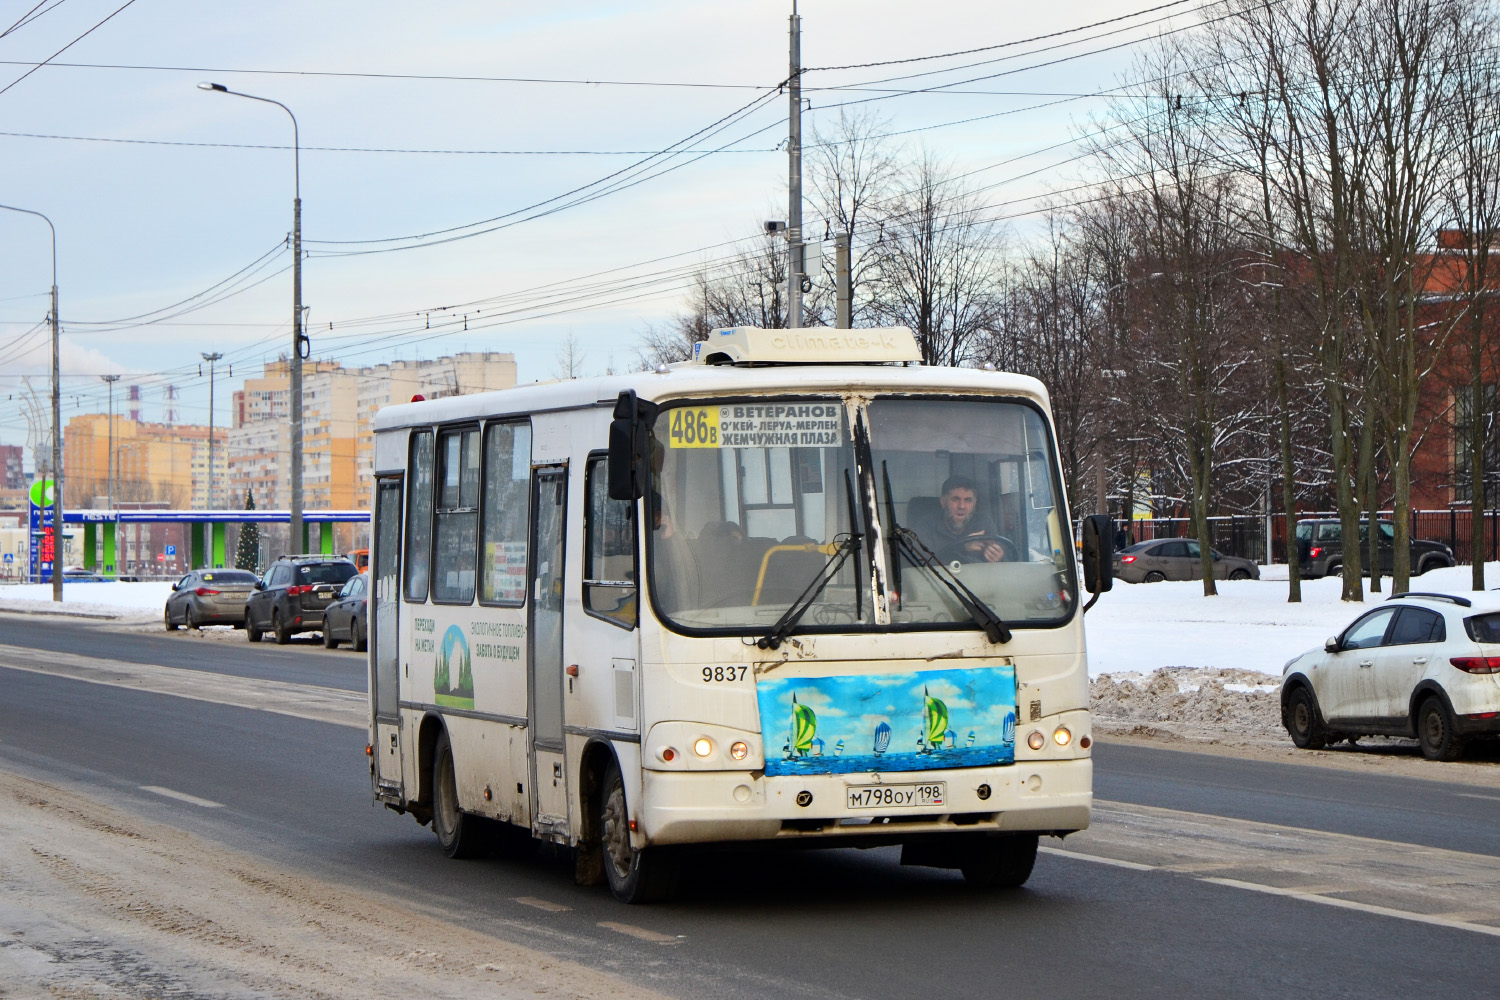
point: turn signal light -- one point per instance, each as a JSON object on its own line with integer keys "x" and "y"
{"x": 1061, "y": 736}
{"x": 667, "y": 754}
{"x": 1477, "y": 664}
{"x": 1036, "y": 741}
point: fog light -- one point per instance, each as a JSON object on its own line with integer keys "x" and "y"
{"x": 804, "y": 799}
{"x": 703, "y": 747}
{"x": 1036, "y": 741}
{"x": 1062, "y": 736}
{"x": 667, "y": 754}
{"x": 739, "y": 751}
{"x": 983, "y": 791}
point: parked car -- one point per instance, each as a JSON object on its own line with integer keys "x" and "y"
{"x": 1320, "y": 548}
{"x": 346, "y": 620}
{"x": 1423, "y": 665}
{"x": 209, "y": 597}
{"x": 291, "y": 597}
{"x": 1177, "y": 559}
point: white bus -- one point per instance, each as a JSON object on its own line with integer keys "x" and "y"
{"x": 798, "y": 589}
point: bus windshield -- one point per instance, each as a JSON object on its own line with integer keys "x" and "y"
{"x": 759, "y": 506}
{"x": 967, "y": 489}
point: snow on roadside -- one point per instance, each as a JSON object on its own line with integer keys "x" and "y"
{"x": 100, "y": 600}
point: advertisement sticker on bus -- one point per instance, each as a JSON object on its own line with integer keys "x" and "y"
{"x": 917, "y": 721}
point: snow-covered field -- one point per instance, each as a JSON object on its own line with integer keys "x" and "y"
{"x": 1135, "y": 628}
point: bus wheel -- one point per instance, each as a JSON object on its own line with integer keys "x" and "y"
{"x": 459, "y": 834}
{"x": 1001, "y": 862}
{"x": 643, "y": 876}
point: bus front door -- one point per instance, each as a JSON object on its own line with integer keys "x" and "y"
{"x": 385, "y": 651}
{"x": 549, "y": 783}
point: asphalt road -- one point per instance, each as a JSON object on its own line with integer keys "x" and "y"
{"x": 822, "y": 924}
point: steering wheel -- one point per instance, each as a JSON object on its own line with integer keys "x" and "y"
{"x": 959, "y": 550}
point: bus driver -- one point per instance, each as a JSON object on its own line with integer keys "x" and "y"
{"x": 957, "y": 529}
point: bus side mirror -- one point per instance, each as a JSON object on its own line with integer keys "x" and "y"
{"x": 1098, "y": 554}
{"x": 630, "y": 446}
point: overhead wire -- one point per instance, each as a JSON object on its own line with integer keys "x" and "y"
{"x": 68, "y": 46}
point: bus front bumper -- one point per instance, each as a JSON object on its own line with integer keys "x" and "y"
{"x": 1053, "y": 796}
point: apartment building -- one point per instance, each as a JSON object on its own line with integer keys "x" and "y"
{"x": 164, "y": 463}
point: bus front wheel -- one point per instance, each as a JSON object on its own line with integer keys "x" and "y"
{"x": 635, "y": 876}
{"x": 459, "y": 834}
{"x": 1002, "y": 861}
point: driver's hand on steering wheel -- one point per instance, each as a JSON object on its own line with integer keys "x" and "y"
{"x": 990, "y": 551}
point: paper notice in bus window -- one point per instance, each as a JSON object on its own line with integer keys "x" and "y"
{"x": 757, "y": 425}
{"x": 506, "y": 562}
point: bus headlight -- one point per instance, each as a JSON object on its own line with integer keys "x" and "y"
{"x": 1061, "y": 736}
{"x": 703, "y": 746}
{"x": 1036, "y": 740}
{"x": 739, "y": 751}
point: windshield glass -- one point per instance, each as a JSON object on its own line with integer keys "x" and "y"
{"x": 973, "y": 481}
{"x": 749, "y": 505}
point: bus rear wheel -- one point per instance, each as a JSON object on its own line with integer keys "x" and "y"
{"x": 1000, "y": 861}
{"x": 459, "y": 834}
{"x": 635, "y": 876}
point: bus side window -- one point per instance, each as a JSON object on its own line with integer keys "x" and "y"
{"x": 505, "y": 514}
{"x": 609, "y": 559}
{"x": 419, "y": 516}
{"x": 456, "y": 533}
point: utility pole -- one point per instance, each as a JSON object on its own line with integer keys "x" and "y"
{"x": 795, "y": 267}
{"x": 57, "y": 466}
{"x": 109, "y": 463}
{"x": 211, "y": 358}
{"x": 844, "y": 316}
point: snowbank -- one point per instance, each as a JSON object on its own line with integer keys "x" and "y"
{"x": 101, "y": 600}
{"x": 1138, "y": 628}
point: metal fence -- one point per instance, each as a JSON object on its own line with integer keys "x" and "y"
{"x": 1244, "y": 535}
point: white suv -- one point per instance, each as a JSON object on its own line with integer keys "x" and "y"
{"x": 1423, "y": 665}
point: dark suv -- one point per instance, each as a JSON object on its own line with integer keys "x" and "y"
{"x": 291, "y": 597}
{"x": 1321, "y": 552}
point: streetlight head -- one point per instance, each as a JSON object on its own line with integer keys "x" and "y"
{"x": 213, "y": 86}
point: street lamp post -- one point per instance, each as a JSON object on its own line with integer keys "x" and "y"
{"x": 57, "y": 514}
{"x": 211, "y": 358}
{"x": 299, "y": 339}
{"x": 109, "y": 461}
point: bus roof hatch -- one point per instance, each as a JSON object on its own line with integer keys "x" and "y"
{"x": 744, "y": 345}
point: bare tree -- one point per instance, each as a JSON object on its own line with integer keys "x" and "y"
{"x": 568, "y": 362}
{"x": 852, "y": 175}
{"x": 939, "y": 264}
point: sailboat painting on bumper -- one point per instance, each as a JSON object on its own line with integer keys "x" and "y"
{"x": 889, "y": 722}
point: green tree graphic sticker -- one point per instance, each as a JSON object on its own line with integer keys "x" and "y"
{"x": 453, "y": 682}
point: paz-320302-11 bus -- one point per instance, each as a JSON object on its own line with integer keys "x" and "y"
{"x": 797, "y": 589}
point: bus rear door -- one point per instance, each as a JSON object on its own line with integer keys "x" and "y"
{"x": 549, "y": 782}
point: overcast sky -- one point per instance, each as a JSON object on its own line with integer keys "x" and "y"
{"x": 202, "y": 190}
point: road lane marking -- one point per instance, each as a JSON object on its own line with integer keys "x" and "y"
{"x": 301, "y": 701}
{"x": 640, "y": 933}
{"x": 542, "y": 904}
{"x": 1350, "y": 904}
{"x": 182, "y": 796}
{"x": 1113, "y": 862}
{"x": 1471, "y": 795}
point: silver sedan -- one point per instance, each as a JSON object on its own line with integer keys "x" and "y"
{"x": 1177, "y": 559}
{"x": 209, "y": 597}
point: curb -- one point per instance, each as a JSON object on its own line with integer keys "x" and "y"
{"x": 61, "y": 613}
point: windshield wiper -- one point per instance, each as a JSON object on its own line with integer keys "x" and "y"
{"x": 906, "y": 541}
{"x": 798, "y": 608}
